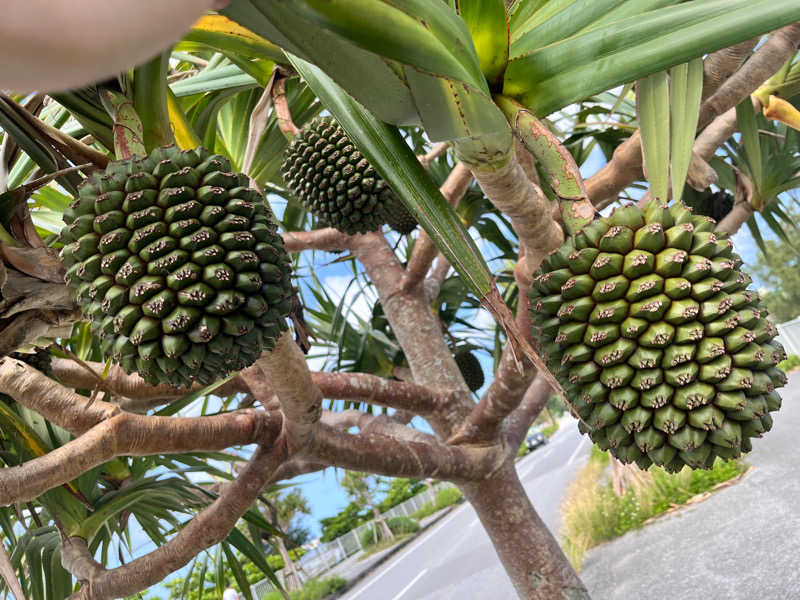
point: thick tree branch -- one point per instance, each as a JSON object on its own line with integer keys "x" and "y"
{"x": 529, "y": 210}
{"x": 509, "y": 384}
{"x": 301, "y": 400}
{"x": 417, "y": 330}
{"x": 209, "y": 527}
{"x": 767, "y": 60}
{"x": 328, "y": 239}
{"x": 625, "y": 166}
{"x": 375, "y": 424}
{"x": 134, "y": 393}
{"x": 720, "y": 65}
{"x": 54, "y": 402}
{"x": 453, "y": 189}
{"x": 386, "y": 455}
{"x": 126, "y": 434}
{"x": 372, "y": 389}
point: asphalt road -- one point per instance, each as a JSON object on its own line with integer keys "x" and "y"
{"x": 742, "y": 543}
{"x": 455, "y": 559}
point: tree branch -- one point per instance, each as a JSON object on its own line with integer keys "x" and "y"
{"x": 134, "y": 393}
{"x": 625, "y": 166}
{"x": 418, "y": 332}
{"x": 126, "y": 434}
{"x": 767, "y": 60}
{"x": 529, "y": 210}
{"x": 210, "y": 526}
{"x": 301, "y": 400}
{"x": 328, "y": 239}
{"x": 372, "y": 389}
{"x": 386, "y": 455}
{"x": 54, "y": 402}
{"x": 720, "y": 65}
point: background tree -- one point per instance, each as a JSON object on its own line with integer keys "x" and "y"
{"x": 362, "y": 487}
{"x": 778, "y": 269}
{"x": 90, "y": 450}
{"x": 281, "y": 511}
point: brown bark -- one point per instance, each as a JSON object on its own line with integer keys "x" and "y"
{"x": 530, "y": 554}
{"x": 384, "y": 455}
{"x": 720, "y": 65}
{"x": 625, "y": 167}
{"x": 529, "y": 210}
{"x": 210, "y": 526}
{"x": 532, "y": 403}
{"x": 767, "y": 60}
{"x": 125, "y": 434}
{"x": 329, "y": 239}
{"x": 301, "y": 400}
{"x": 738, "y": 216}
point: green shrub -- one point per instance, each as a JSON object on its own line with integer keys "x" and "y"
{"x": 314, "y": 589}
{"x": 592, "y": 513}
{"x": 397, "y": 525}
{"x": 275, "y": 561}
{"x": 423, "y": 511}
{"x": 401, "y": 525}
{"x": 523, "y": 450}
{"x": 791, "y": 362}
{"x": 446, "y": 497}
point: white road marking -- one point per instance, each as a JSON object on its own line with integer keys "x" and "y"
{"x": 408, "y": 552}
{"x": 410, "y": 583}
{"x": 577, "y": 450}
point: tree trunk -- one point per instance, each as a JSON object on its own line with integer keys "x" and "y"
{"x": 386, "y": 533}
{"x": 290, "y": 575}
{"x": 530, "y": 554}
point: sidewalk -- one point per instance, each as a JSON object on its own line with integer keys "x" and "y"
{"x": 354, "y": 570}
{"x": 742, "y": 543}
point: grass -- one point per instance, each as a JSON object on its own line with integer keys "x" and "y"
{"x": 444, "y": 498}
{"x": 593, "y": 514}
{"x": 792, "y": 362}
{"x": 383, "y": 545}
{"x": 314, "y": 589}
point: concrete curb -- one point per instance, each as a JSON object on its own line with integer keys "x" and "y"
{"x": 351, "y": 583}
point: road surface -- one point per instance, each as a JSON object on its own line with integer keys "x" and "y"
{"x": 455, "y": 559}
{"x": 742, "y": 543}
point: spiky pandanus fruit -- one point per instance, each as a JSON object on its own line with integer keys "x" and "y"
{"x": 646, "y": 320}
{"x": 399, "y": 218}
{"x": 330, "y": 177}
{"x": 177, "y": 263}
{"x": 470, "y": 368}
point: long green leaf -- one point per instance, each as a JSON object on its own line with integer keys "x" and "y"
{"x": 552, "y": 77}
{"x": 419, "y": 33}
{"x": 685, "y": 90}
{"x": 222, "y": 34}
{"x": 563, "y": 24}
{"x": 752, "y": 145}
{"x": 384, "y": 91}
{"x": 393, "y": 159}
{"x": 150, "y": 101}
{"x": 238, "y": 572}
{"x": 488, "y": 26}
{"x": 652, "y": 99}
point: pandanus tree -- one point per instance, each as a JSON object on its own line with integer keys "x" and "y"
{"x": 143, "y": 269}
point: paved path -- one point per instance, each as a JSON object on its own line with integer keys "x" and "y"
{"x": 455, "y": 560}
{"x": 743, "y": 543}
